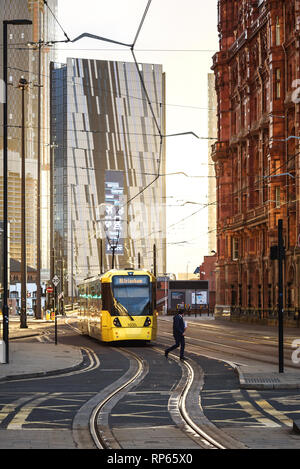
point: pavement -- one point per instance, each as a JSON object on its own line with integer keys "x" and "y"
{"x": 32, "y": 359}
{"x": 28, "y": 359}
{"x": 39, "y": 359}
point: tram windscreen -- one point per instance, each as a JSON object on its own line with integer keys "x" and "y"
{"x": 132, "y": 295}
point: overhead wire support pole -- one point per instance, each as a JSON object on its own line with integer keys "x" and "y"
{"x": 38, "y": 312}
{"x": 23, "y": 85}
{"x": 5, "y": 188}
{"x": 280, "y": 255}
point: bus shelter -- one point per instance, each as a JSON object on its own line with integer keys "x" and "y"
{"x": 191, "y": 295}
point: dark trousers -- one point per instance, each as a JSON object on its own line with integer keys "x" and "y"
{"x": 179, "y": 340}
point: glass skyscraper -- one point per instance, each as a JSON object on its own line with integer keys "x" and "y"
{"x": 106, "y": 150}
{"x": 23, "y": 63}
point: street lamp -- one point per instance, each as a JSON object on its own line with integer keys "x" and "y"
{"x": 38, "y": 46}
{"x": 23, "y": 85}
{"x": 5, "y": 191}
{"x": 187, "y": 269}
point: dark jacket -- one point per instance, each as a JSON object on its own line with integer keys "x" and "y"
{"x": 178, "y": 325}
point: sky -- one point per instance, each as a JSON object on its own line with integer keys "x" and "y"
{"x": 183, "y": 37}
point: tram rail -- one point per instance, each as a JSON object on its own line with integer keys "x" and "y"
{"x": 102, "y": 435}
{"x": 104, "y": 439}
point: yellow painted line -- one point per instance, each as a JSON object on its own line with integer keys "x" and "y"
{"x": 252, "y": 411}
{"x": 11, "y": 407}
{"x": 20, "y": 419}
{"x": 267, "y": 407}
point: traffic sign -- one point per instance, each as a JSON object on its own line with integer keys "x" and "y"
{"x": 55, "y": 280}
{"x": 49, "y": 289}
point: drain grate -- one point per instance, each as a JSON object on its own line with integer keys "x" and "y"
{"x": 262, "y": 380}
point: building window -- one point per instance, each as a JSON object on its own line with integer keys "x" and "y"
{"x": 277, "y": 166}
{"x": 277, "y": 31}
{"x": 277, "y": 83}
{"x": 242, "y": 116}
{"x": 277, "y": 197}
{"x": 235, "y": 249}
{"x": 234, "y": 128}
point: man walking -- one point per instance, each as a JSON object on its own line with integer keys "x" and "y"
{"x": 179, "y": 327}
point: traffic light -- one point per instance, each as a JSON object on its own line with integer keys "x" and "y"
{"x": 274, "y": 254}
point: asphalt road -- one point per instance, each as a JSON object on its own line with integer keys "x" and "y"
{"x": 260, "y": 419}
{"x": 238, "y": 343}
{"x": 248, "y": 416}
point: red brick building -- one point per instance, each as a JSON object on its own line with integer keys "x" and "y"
{"x": 207, "y": 271}
{"x": 257, "y": 154}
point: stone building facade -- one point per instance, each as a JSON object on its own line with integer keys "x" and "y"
{"x": 257, "y": 78}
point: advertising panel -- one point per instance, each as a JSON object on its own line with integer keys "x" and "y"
{"x": 114, "y": 212}
{"x": 199, "y": 298}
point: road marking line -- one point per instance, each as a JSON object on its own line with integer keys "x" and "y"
{"x": 11, "y": 407}
{"x": 267, "y": 407}
{"x": 20, "y": 419}
{"x": 252, "y": 411}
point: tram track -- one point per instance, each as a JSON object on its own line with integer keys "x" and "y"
{"x": 101, "y": 434}
{"x": 199, "y": 429}
{"x": 178, "y": 407}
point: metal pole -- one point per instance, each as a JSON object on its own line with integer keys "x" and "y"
{"x": 55, "y": 314}
{"x": 113, "y": 257}
{"x": 101, "y": 256}
{"x": 5, "y": 206}
{"x": 154, "y": 259}
{"x": 5, "y": 218}
{"x": 52, "y": 253}
{"x": 23, "y": 319}
{"x": 38, "y": 314}
{"x": 280, "y": 298}
{"x": 72, "y": 254}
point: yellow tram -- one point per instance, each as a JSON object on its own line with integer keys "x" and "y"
{"x": 119, "y": 305}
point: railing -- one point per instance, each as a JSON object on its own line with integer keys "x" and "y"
{"x": 264, "y": 313}
{"x": 219, "y": 150}
{"x": 238, "y": 43}
{"x": 196, "y": 310}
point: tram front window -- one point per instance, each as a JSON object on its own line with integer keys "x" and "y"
{"x": 132, "y": 295}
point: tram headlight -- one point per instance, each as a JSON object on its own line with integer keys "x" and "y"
{"x": 117, "y": 322}
{"x": 147, "y": 322}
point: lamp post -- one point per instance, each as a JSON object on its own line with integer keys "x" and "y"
{"x": 5, "y": 204}
{"x": 23, "y": 85}
{"x": 280, "y": 257}
{"x": 38, "y": 46}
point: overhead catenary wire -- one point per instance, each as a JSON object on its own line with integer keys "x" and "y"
{"x": 241, "y": 190}
{"x": 64, "y": 32}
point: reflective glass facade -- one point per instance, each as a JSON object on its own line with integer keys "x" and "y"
{"x": 23, "y": 63}
{"x": 107, "y": 149}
